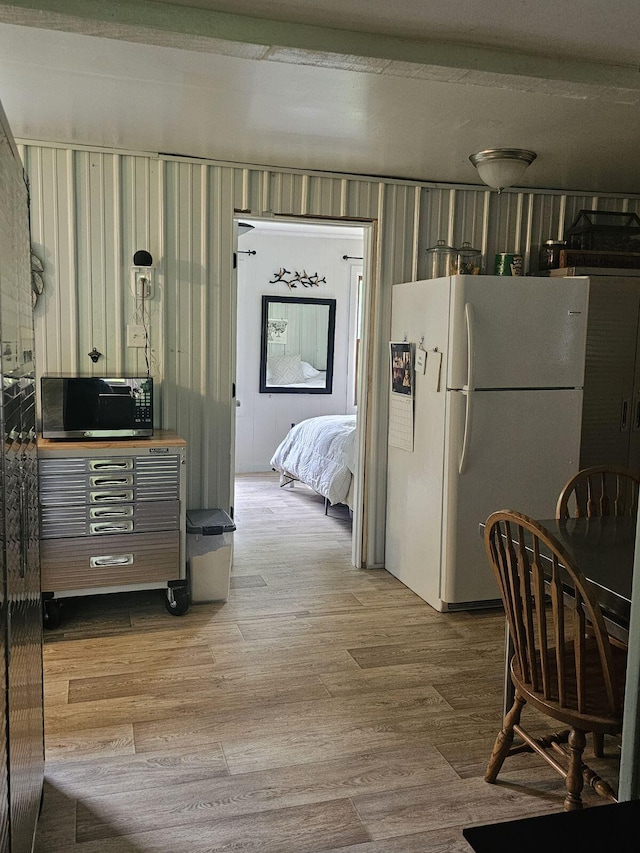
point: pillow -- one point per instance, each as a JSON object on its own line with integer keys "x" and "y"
{"x": 285, "y": 370}
{"x": 308, "y": 370}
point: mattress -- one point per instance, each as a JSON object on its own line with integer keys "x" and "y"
{"x": 321, "y": 453}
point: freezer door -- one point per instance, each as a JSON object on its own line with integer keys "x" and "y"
{"x": 506, "y": 450}
{"x": 517, "y": 332}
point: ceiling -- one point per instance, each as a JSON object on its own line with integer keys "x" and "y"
{"x": 405, "y": 89}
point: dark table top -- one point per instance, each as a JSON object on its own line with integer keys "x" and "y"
{"x": 603, "y": 550}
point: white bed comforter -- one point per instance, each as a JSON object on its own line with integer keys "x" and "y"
{"x": 320, "y": 452}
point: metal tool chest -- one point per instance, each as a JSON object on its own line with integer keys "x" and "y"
{"x": 112, "y": 517}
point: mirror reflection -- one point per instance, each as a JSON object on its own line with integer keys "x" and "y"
{"x": 296, "y": 354}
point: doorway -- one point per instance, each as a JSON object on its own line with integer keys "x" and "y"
{"x": 296, "y": 261}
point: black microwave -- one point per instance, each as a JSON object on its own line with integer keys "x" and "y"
{"x": 96, "y": 407}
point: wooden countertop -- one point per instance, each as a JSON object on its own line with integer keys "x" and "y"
{"x": 160, "y": 438}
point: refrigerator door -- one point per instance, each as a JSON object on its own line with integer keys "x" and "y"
{"x": 505, "y": 450}
{"x": 611, "y": 406}
{"x": 517, "y": 332}
{"x": 415, "y": 480}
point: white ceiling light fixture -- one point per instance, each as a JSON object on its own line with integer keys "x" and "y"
{"x": 502, "y": 167}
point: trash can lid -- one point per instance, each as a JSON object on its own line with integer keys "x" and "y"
{"x": 209, "y": 522}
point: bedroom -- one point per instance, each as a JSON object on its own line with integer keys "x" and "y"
{"x": 279, "y": 322}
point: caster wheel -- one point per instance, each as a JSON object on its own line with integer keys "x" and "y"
{"x": 51, "y": 614}
{"x": 177, "y": 601}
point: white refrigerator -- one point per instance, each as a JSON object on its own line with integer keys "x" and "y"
{"x": 500, "y": 431}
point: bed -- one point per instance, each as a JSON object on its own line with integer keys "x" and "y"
{"x": 290, "y": 371}
{"x": 321, "y": 453}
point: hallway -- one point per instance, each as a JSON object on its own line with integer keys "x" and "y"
{"x": 321, "y": 708}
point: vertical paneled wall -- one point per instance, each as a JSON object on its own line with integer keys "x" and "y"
{"x": 91, "y": 210}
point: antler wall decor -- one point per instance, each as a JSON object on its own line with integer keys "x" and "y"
{"x": 297, "y": 278}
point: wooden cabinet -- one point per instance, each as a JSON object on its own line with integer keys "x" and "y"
{"x": 611, "y": 405}
{"x": 112, "y": 516}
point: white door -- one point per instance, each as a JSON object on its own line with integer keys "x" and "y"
{"x": 517, "y": 332}
{"x": 521, "y": 447}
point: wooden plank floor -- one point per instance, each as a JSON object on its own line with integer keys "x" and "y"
{"x": 321, "y": 708}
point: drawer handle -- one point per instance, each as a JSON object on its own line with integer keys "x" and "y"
{"x": 111, "y": 512}
{"x": 110, "y": 465}
{"x": 106, "y": 482}
{"x": 111, "y": 497}
{"x": 109, "y": 527}
{"x": 123, "y": 560}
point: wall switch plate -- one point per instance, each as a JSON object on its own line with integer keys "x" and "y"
{"x": 136, "y": 336}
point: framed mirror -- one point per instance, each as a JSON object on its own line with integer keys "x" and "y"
{"x": 297, "y": 342}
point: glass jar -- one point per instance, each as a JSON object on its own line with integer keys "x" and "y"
{"x": 439, "y": 259}
{"x": 466, "y": 261}
{"x": 549, "y": 257}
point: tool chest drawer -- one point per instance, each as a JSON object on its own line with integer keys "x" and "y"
{"x": 79, "y": 563}
{"x": 108, "y": 518}
{"x": 103, "y": 479}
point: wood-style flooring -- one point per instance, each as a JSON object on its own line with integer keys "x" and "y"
{"x": 321, "y": 708}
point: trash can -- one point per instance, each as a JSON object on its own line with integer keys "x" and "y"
{"x": 209, "y": 554}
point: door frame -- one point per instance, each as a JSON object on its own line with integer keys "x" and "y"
{"x": 363, "y": 377}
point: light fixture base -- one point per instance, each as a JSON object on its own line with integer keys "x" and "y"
{"x": 502, "y": 167}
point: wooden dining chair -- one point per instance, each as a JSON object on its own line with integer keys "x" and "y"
{"x": 573, "y": 678}
{"x": 600, "y": 491}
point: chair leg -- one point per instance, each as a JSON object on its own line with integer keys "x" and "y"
{"x": 504, "y": 740}
{"x": 598, "y": 744}
{"x": 574, "y": 780}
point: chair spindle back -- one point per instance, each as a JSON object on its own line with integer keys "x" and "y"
{"x": 533, "y": 572}
{"x": 600, "y": 491}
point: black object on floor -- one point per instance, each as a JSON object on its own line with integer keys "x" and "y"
{"x": 599, "y": 828}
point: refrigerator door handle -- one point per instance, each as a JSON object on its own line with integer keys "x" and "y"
{"x": 466, "y": 439}
{"x": 624, "y": 416}
{"x": 636, "y": 413}
{"x": 471, "y": 379}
